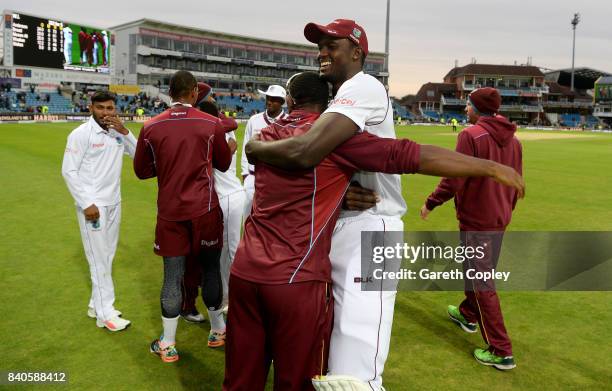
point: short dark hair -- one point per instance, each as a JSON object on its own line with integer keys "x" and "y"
{"x": 209, "y": 108}
{"x": 181, "y": 83}
{"x": 103, "y": 96}
{"x": 309, "y": 88}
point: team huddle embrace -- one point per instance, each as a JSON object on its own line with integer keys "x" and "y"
{"x": 314, "y": 178}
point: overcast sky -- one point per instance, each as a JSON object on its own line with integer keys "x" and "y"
{"x": 426, "y": 37}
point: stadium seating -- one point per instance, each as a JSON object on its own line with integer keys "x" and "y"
{"x": 57, "y": 103}
{"x": 570, "y": 120}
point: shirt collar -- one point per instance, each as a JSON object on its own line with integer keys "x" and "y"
{"x": 95, "y": 126}
{"x": 180, "y": 104}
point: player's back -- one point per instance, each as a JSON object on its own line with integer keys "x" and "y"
{"x": 287, "y": 237}
{"x": 181, "y": 141}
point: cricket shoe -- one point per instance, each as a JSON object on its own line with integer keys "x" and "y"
{"x": 455, "y": 315}
{"x": 114, "y": 324}
{"x": 216, "y": 339}
{"x": 193, "y": 317}
{"x": 485, "y": 357}
{"x": 92, "y": 313}
{"x": 167, "y": 354}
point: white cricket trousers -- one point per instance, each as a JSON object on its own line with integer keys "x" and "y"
{"x": 249, "y": 190}
{"x": 100, "y": 245}
{"x": 232, "y": 206}
{"x": 362, "y": 319}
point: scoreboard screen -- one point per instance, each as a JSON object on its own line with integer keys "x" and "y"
{"x": 56, "y": 44}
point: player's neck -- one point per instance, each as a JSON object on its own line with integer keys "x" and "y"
{"x": 349, "y": 75}
{"x": 273, "y": 115}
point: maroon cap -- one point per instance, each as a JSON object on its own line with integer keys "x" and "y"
{"x": 486, "y": 100}
{"x": 203, "y": 91}
{"x": 339, "y": 28}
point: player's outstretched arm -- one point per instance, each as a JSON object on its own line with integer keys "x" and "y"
{"x": 442, "y": 162}
{"x": 305, "y": 151}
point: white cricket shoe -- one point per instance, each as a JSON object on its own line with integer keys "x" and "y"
{"x": 114, "y": 324}
{"x": 92, "y": 313}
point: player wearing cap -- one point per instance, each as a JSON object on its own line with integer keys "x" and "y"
{"x": 484, "y": 209}
{"x": 362, "y": 321}
{"x": 231, "y": 198}
{"x": 180, "y": 147}
{"x": 275, "y": 98}
{"x": 92, "y": 169}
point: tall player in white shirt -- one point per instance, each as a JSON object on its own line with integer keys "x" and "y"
{"x": 92, "y": 169}
{"x": 275, "y": 98}
{"x": 362, "y": 319}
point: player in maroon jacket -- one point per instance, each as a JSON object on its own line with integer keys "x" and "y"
{"x": 83, "y": 45}
{"x": 484, "y": 209}
{"x": 180, "y": 147}
{"x": 280, "y": 300}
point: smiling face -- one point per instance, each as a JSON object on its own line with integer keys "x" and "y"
{"x": 339, "y": 59}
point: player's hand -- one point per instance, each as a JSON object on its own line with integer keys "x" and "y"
{"x": 91, "y": 213}
{"x": 233, "y": 145}
{"x": 113, "y": 121}
{"x": 509, "y": 177}
{"x": 359, "y": 198}
{"x": 425, "y": 212}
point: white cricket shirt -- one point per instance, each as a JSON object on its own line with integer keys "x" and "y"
{"x": 92, "y": 164}
{"x": 364, "y": 100}
{"x": 227, "y": 182}
{"x": 254, "y": 126}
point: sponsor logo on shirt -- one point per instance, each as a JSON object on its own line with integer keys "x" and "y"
{"x": 209, "y": 243}
{"x": 97, "y": 145}
{"x": 342, "y": 102}
{"x": 177, "y": 113}
{"x": 71, "y": 150}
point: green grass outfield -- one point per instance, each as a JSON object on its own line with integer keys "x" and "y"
{"x": 561, "y": 339}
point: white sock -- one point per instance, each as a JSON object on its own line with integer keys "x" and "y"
{"x": 217, "y": 323}
{"x": 169, "y": 334}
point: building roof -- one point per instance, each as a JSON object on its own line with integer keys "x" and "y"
{"x": 425, "y": 94}
{"x": 604, "y": 80}
{"x": 171, "y": 27}
{"x": 491, "y": 69}
{"x": 557, "y": 89}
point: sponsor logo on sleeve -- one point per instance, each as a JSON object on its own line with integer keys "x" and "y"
{"x": 342, "y": 102}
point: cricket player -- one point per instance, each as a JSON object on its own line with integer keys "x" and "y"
{"x": 67, "y": 31}
{"x": 484, "y": 209}
{"x": 362, "y": 319}
{"x": 180, "y": 147}
{"x": 281, "y": 308}
{"x": 92, "y": 170}
{"x": 275, "y": 98}
{"x": 231, "y": 198}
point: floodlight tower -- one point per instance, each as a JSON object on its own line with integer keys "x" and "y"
{"x": 575, "y": 22}
{"x": 386, "y": 64}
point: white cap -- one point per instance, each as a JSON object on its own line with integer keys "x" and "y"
{"x": 274, "y": 90}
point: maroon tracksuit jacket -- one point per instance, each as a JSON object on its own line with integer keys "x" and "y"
{"x": 181, "y": 146}
{"x": 279, "y": 293}
{"x": 484, "y": 205}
